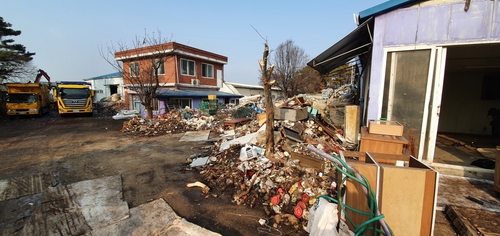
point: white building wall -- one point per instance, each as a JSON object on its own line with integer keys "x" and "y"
{"x": 102, "y": 87}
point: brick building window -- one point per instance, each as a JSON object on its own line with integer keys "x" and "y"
{"x": 134, "y": 69}
{"x": 187, "y": 67}
{"x": 160, "y": 64}
{"x": 207, "y": 70}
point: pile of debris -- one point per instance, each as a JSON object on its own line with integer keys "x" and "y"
{"x": 282, "y": 187}
{"x": 175, "y": 121}
{"x": 287, "y": 185}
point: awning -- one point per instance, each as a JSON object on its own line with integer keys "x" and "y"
{"x": 163, "y": 92}
{"x": 356, "y": 43}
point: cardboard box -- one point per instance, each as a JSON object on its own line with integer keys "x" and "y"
{"x": 385, "y": 127}
{"x": 291, "y": 114}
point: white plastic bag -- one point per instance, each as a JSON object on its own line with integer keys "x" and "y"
{"x": 247, "y": 152}
{"x": 323, "y": 218}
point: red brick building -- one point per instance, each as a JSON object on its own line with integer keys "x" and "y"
{"x": 192, "y": 73}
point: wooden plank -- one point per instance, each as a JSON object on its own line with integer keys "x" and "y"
{"x": 351, "y": 123}
{"x": 385, "y": 127}
{"x": 261, "y": 118}
{"x": 401, "y": 199}
{"x": 390, "y": 159}
{"x": 234, "y": 122}
{"x": 355, "y": 196}
{"x": 429, "y": 204}
{"x": 308, "y": 162}
{"x": 496, "y": 185}
{"x": 460, "y": 222}
{"x": 383, "y": 138}
{"x": 380, "y": 147}
{"x": 359, "y": 155}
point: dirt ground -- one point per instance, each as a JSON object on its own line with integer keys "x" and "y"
{"x": 74, "y": 149}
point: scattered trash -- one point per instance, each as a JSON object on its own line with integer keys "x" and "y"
{"x": 199, "y": 161}
{"x": 125, "y": 114}
{"x": 205, "y": 188}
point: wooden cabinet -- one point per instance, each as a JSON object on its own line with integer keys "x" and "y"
{"x": 380, "y": 143}
{"x": 407, "y": 195}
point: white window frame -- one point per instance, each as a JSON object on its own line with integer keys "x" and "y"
{"x": 188, "y": 64}
{"x": 156, "y": 104}
{"x": 134, "y": 69}
{"x": 161, "y": 68}
{"x": 204, "y": 70}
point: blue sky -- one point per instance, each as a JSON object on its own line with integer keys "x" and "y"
{"x": 66, "y": 35}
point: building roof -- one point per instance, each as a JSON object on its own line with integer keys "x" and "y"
{"x": 164, "y": 92}
{"x": 107, "y": 76}
{"x": 383, "y": 8}
{"x": 170, "y": 48}
{"x": 356, "y": 44}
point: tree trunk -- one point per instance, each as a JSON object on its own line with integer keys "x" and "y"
{"x": 266, "y": 75}
{"x": 149, "y": 112}
{"x": 269, "y": 122}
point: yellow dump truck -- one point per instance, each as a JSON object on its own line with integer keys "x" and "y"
{"x": 73, "y": 97}
{"x": 27, "y": 99}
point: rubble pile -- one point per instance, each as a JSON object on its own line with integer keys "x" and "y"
{"x": 109, "y": 105}
{"x": 173, "y": 122}
{"x": 284, "y": 189}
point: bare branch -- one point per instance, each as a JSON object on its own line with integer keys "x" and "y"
{"x": 139, "y": 70}
{"x": 265, "y": 40}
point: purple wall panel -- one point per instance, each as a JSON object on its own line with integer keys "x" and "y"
{"x": 471, "y": 25}
{"x": 431, "y": 28}
{"x": 401, "y": 27}
{"x": 439, "y": 24}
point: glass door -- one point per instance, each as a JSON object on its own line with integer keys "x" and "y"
{"x": 407, "y": 82}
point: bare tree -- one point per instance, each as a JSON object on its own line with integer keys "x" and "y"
{"x": 309, "y": 80}
{"x": 289, "y": 59}
{"x": 140, "y": 65}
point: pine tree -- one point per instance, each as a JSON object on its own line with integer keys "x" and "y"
{"x": 13, "y": 57}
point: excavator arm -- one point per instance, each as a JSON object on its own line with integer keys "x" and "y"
{"x": 39, "y": 76}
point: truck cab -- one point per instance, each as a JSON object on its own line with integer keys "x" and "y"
{"x": 73, "y": 97}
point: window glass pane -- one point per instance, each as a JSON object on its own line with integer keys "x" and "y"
{"x": 183, "y": 67}
{"x": 191, "y": 67}
{"x": 161, "y": 66}
{"x": 133, "y": 68}
{"x": 187, "y": 67}
{"x": 207, "y": 70}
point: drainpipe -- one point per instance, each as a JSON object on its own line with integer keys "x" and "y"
{"x": 176, "y": 71}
